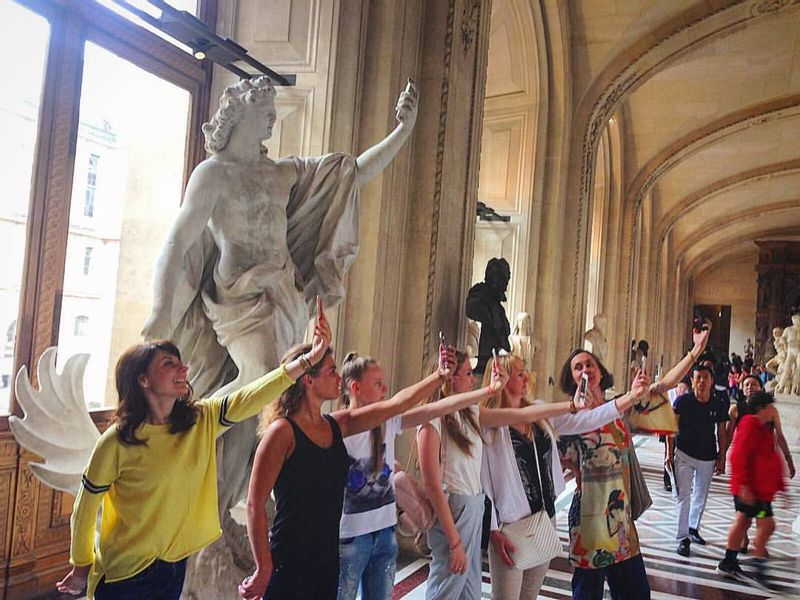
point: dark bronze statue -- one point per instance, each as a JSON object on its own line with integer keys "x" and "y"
{"x": 483, "y": 305}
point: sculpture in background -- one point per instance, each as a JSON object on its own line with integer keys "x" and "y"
{"x": 522, "y": 341}
{"x": 484, "y": 305}
{"x": 789, "y": 381}
{"x": 775, "y": 364}
{"x": 596, "y": 336}
{"x": 473, "y": 335}
{"x": 524, "y": 345}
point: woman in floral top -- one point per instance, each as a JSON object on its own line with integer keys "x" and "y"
{"x": 603, "y": 542}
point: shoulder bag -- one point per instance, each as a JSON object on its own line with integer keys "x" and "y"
{"x": 534, "y": 537}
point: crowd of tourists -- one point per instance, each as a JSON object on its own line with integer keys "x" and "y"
{"x": 332, "y": 475}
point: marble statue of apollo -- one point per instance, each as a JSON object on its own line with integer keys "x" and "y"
{"x": 255, "y": 241}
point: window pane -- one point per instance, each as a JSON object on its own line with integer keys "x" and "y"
{"x": 126, "y": 192}
{"x": 25, "y": 36}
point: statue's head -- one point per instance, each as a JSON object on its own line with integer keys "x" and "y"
{"x": 796, "y": 319}
{"x": 600, "y": 321}
{"x": 522, "y": 326}
{"x": 498, "y": 273}
{"x": 777, "y": 332}
{"x": 235, "y": 101}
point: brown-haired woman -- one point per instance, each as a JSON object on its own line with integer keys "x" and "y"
{"x": 155, "y": 472}
{"x": 450, "y": 451}
{"x": 302, "y": 457}
{"x": 522, "y": 475}
{"x": 602, "y": 458}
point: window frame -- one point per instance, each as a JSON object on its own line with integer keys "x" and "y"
{"x": 72, "y": 24}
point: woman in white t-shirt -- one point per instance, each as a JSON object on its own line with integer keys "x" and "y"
{"x": 367, "y": 545}
{"x": 450, "y": 453}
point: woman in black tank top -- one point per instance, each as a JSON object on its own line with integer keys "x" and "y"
{"x": 302, "y": 457}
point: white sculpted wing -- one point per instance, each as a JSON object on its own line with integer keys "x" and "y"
{"x": 56, "y": 425}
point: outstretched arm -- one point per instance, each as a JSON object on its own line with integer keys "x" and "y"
{"x": 679, "y": 371}
{"x": 428, "y": 412}
{"x": 781, "y": 441}
{"x": 375, "y": 159}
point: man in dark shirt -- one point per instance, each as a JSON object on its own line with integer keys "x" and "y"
{"x": 698, "y": 456}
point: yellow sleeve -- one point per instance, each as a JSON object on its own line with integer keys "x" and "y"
{"x": 250, "y": 399}
{"x": 102, "y": 471}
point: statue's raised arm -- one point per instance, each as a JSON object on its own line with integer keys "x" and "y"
{"x": 375, "y": 159}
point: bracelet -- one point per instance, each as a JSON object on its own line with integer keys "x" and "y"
{"x": 305, "y": 363}
{"x": 572, "y": 408}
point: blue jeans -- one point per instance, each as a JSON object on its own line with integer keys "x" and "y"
{"x": 369, "y": 560}
{"x": 627, "y": 580}
{"x": 160, "y": 581}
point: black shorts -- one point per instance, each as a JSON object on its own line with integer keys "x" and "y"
{"x": 759, "y": 510}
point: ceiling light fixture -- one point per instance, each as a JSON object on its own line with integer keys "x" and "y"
{"x": 205, "y": 44}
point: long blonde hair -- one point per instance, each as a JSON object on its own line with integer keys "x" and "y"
{"x": 508, "y": 362}
{"x": 449, "y": 424}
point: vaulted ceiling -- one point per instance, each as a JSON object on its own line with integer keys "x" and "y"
{"x": 709, "y": 97}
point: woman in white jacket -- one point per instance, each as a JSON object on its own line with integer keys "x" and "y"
{"x": 522, "y": 480}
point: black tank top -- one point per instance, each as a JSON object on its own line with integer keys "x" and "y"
{"x": 308, "y": 501}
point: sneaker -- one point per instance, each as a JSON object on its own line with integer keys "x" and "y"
{"x": 696, "y": 538}
{"x": 683, "y": 547}
{"x": 731, "y": 569}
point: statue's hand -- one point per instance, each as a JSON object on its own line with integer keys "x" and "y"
{"x": 406, "y": 110}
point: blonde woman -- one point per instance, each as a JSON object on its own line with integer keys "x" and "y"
{"x": 516, "y": 459}
{"x": 450, "y": 454}
{"x": 367, "y": 544}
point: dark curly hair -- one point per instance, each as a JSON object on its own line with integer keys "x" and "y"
{"x": 133, "y": 408}
{"x": 567, "y": 383}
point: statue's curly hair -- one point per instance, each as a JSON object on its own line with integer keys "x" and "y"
{"x": 234, "y": 98}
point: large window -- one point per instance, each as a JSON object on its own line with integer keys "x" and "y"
{"x": 25, "y": 36}
{"x": 101, "y": 126}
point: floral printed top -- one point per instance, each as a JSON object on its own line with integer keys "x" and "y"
{"x": 601, "y": 531}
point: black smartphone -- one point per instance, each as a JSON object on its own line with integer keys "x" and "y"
{"x": 698, "y": 320}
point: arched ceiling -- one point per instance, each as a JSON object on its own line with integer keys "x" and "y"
{"x": 712, "y": 132}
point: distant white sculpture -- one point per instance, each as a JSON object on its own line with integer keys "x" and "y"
{"x": 596, "y": 336}
{"x": 748, "y": 348}
{"x": 789, "y": 382}
{"x": 521, "y": 338}
{"x": 473, "y": 335}
{"x": 56, "y": 424}
{"x": 775, "y": 364}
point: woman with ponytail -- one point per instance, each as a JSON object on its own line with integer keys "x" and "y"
{"x": 155, "y": 473}
{"x": 303, "y": 459}
{"x": 522, "y": 473}
{"x": 450, "y": 454}
{"x": 367, "y": 545}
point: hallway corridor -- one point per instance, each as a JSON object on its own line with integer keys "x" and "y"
{"x": 671, "y": 576}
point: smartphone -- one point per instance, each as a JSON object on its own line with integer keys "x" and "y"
{"x": 644, "y": 362}
{"x": 698, "y": 320}
{"x": 442, "y": 341}
{"x": 411, "y": 85}
{"x": 584, "y": 385}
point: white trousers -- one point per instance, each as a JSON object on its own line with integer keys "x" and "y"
{"x": 692, "y": 478}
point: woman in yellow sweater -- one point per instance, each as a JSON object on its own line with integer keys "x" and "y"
{"x": 155, "y": 473}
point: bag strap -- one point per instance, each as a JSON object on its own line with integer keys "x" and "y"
{"x": 538, "y": 465}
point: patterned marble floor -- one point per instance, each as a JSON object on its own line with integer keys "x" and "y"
{"x": 671, "y": 576}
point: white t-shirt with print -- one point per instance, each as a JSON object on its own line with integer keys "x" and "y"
{"x": 369, "y": 500}
{"x": 461, "y": 473}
